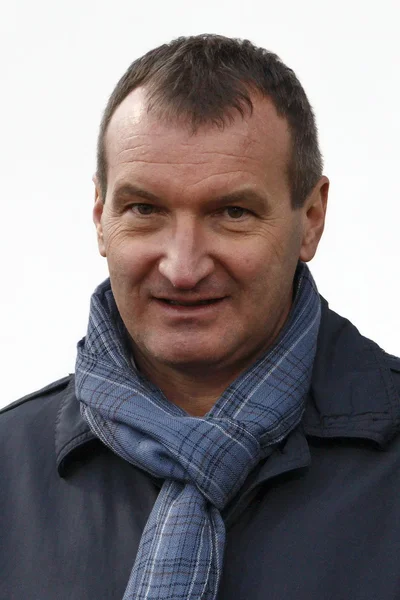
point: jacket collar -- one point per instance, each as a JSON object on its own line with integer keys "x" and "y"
{"x": 72, "y": 436}
{"x": 352, "y": 393}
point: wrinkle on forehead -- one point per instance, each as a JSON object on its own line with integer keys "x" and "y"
{"x": 205, "y": 157}
{"x": 172, "y": 145}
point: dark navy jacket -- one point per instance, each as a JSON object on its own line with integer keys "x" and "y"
{"x": 319, "y": 519}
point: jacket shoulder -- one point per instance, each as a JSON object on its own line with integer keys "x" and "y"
{"x": 49, "y": 390}
{"x": 393, "y": 362}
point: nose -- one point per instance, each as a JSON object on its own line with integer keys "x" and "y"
{"x": 185, "y": 260}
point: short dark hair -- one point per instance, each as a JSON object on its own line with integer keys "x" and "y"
{"x": 201, "y": 78}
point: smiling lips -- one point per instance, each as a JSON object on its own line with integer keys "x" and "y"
{"x": 181, "y": 302}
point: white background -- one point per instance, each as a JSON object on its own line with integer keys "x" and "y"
{"x": 60, "y": 61}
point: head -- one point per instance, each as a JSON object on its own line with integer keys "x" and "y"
{"x": 208, "y": 192}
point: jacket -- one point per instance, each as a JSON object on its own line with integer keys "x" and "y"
{"x": 319, "y": 518}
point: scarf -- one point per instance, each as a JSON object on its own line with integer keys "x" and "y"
{"x": 203, "y": 461}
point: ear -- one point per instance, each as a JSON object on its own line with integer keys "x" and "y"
{"x": 97, "y": 215}
{"x": 314, "y": 211}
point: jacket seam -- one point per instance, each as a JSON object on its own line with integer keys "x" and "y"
{"x": 53, "y": 388}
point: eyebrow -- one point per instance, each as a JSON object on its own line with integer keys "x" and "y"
{"x": 128, "y": 190}
{"x": 245, "y": 196}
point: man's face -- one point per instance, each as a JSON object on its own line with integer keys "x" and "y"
{"x": 199, "y": 234}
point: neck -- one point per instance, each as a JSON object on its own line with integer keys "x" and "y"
{"x": 194, "y": 392}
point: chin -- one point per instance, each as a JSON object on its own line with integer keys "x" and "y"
{"x": 188, "y": 359}
{"x": 185, "y": 355}
{"x": 188, "y": 349}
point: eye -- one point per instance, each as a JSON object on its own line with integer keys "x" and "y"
{"x": 143, "y": 209}
{"x": 235, "y": 212}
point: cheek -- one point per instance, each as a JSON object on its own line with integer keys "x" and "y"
{"x": 130, "y": 262}
{"x": 252, "y": 272}
{"x": 251, "y": 260}
{"x": 265, "y": 271}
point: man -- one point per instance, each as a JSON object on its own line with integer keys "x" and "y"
{"x": 225, "y": 434}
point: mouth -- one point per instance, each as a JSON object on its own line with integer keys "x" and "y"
{"x": 185, "y": 308}
{"x": 190, "y": 304}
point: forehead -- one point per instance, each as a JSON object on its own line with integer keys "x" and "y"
{"x": 138, "y": 144}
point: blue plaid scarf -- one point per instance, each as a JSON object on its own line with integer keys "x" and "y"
{"x": 204, "y": 461}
